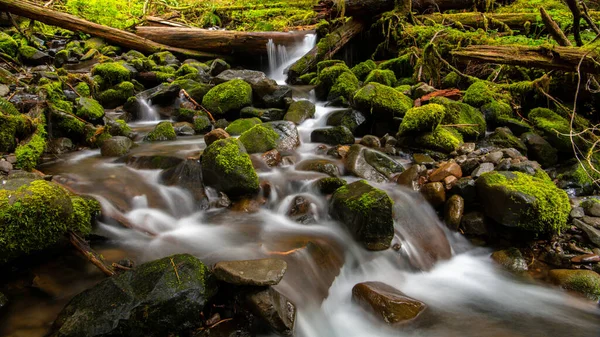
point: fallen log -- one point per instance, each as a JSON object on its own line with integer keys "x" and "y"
{"x": 111, "y": 35}
{"x": 225, "y": 42}
{"x": 95, "y": 258}
{"x": 554, "y": 58}
{"x": 325, "y": 49}
{"x": 557, "y": 34}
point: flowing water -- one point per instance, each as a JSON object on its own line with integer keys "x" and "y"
{"x": 467, "y": 295}
{"x": 280, "y": 58}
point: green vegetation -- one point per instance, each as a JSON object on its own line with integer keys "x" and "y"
{"x": 442, "y": 139}
{"x": 228, "y": 97}
{"x": 381, "y": 101}
{"x": 259, "y": 139}
{"x": 28, "y": 154}
{"x": 422, "y": 119}
{"x": 162, "y": 131}
{"x": 241, "y": 125}
{"x": 385, "y": 77}
{"x": 469, "y": 121}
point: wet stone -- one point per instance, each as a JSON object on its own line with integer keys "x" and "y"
{"x": 263, "y": 272}
{"x": 387, "y": 302}
{"x": 423, "y": 159}
{"x": 592, "y": 221}
{"x": 184, "y": 129}
{"x": 481, "y": 169}
{"x": 512, "y": 153}
{"x": 511, "y": 259}
{"x": 449, "y": 181}
{"x": 410, "y": 177}
{"x": 5, "y": 166}
{"x": 274, "y": 309}
{"x": 591, "y": 207}
{"x": 215, "y": 135}
{"x": 469, "y": 165}
{"x": 587, "y": 258}
{"x": 466, "y": 148}
{"x": 272, "y": 158}
{"x": 319, "y": 165}
{"x": 453, "y": 212}
{"x": 577, "y": 212}
{"x": 474, "y": 223}
{"x": 370, "y": 141}
{"x": 445, "y": 170}
{"x": 434, "y": 193}
{"x": 494, "y": 157}
{"x": 592, "y": 233}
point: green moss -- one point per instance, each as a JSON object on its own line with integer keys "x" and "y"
{"x": 451, "y": 80}
{"x": 366, "y": 201}
{"x": 83, "y": 89}
{"x": 344, "y": 86}
{"x": 471, "y": 121}
{"x": 478, "y": 94}
{"x": 326, "y": 64}
{"x": 8, "y": 45}
{"x": 27, "y": 52}
{"x": 401, "y": 66}
{"x": 422, "y": 119}
{"x": 503, "y": 137}
{"x": 186, "y": 69}
{"x": 363, "y": 69}
{"x": 385, "y": 77}
{"x": 329, "y": 185}
{"x": 202, "y": 124}
{"x": 89, "y": 109}
{"x": 228, "y": 97}
{"x": 307, "y": 78}
{"x": 259, "y": 139}
{"x": 442, "y": 139}
{"x": 11, "y": 127}
{"x": 112, "y": 73}
{"x": 117, "y": 95}
{"x": 549, "y": 211}
{"x": 381, "y": 101}
{"x": 554, "y": 128}
{"x": 37, "y": 214}
{"x": 94, "y": 43}
{"x": 327, "y": 77}
{"x": 142, "y": 64}
{"x": 162, "y": 131}
{"x": 164, "y": 58}
{"x": 241, "y": 125}
{"x": 28, "y": 154}
{"x": 495, "y": 110}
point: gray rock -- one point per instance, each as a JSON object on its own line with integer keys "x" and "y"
{"x": 337, "y": 135}
{"x": 60, "y": 145}
{"x": 474, "y": 224}
{"x": 481, "y": 169}
{"x": 4, "y": 90}
{"x": 281, "y": 98}
{"x": 592, "y": 221}
{"x": 116, "y": 146}
{"x": 371, "y": 164}
{"x": 387, "y": 302}
{"x": 184, "y": 129}
{"x": 218, "y": 66}
{"x": 539, "y": 149}
{"x": 577, "y": 212}
{"x": 422, "y": 89}
{"x": 512, "y": 153}
{"x": 5, "y": 166}
{"x": 319, "y": 165}
{"x": 465, "y": 187}
{"x": 370, "y": 141}
{"x": 289, "y": 138}
{"x": 494, "y": 157}
{"x": 591, "y": 207}
{"x": 274, "y": 309}
{"x": 260, "y": 83}
{"x": 354, "y": 120}
{"x": 264, "y": 272}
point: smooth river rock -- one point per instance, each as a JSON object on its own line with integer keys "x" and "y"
{"x": 387, "y": 302}
{"x": 263, "y": 272}
{"x": 274, "y": 309}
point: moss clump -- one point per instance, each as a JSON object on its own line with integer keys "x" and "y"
{"x": 328, "y": 185}
{"x": 472, "y": 122}
{"x": 228, "y": 97}
{"x": 518, "y": 199}
{"x": 495, "y": 110}
{"x": 112, "y": 73}
{"x": 479, "y": 94}
{"x": 385, "y": 77}
{"x": 555, "y": 128}
{"x": 186, "y": 69}
{"x": 37, "y": 214}
{"x": 164, "y": 58}
{"x": 8, "y": 45}
{"x": 162, "y": 131}
{"x": 89, "y": 109}
{"x": 363, "y": 69}
{"x": 401, "y": 66}
{"x": 442, "y": 139}
{"x": 83, "y": 89}
{"x": 382, "y": 102}
{"x": 119, "y": 127}
{"x": 241, "y": 125}
{"x": 504, "y": 138}
{"x": 94, "y": 43}
{"x": 11, "y": 127}
{"x": 326, "y": 64}
{"x": 344, "y": 87}
{"x": 452, "y": 80}
{"x": 307, "y": 78}
{"x": 117, "y": 95}
{"x": 227, "y": 167}
{"x": 422, "y": 119}
{"x": 202, "y": 124}
{"x": 585, "y": 282}
{"x": 259, "y": 139}
{"x": 327, "y": 77}
{"x": 299, "y": 111}
{"x": 28, "y": 154}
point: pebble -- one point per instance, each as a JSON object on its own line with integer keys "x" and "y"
{"x": 577, "y": 212}
{"x": 434, "y": 193}
{"x": 494, "y": 157}
{"x": 481, "y": 169}
{"x": 423, "y": 159}
{"x": 449, "y": 181}
{"x": 4, "y": 90}
{"x": 512, "y": 153}
{"x": 445, "y": 170}
{"x": 466, "y": 148}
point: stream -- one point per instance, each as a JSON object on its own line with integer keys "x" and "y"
{"x": 467, "y": 294}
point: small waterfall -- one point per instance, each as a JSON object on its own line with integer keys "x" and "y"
{"x": 147, "y": 112}
{"x": 280, "y": 58}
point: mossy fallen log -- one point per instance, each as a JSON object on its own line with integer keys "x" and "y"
{"x": 554, "y": 57}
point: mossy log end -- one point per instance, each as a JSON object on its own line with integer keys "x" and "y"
{"x": 220, "y": 41}
{"x": 557, "y": 58}
{"x": 325, "y": 49}
{"x": 111, "y": 35}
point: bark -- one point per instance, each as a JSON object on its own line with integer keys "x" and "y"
{"x": 220, "y": 41}
{"x": 325, "y": 49}
{"x": 95, "y": 258}
{"x": 554, "y": 30}
{"x": 557, "y": 58}
{"x": 574, "y": 7}
{"x": 111, "y": 35}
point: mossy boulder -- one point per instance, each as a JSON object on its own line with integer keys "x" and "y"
{"x": 265, "y": 115}
{"x": 344, "y": 87}
{"x": 504, "y": 138}
{"x": 8, "y": 45}
{"x": 259, "y": 139}
{"x": 227, "y": 167}
{"x": 112, "y": 73}
{"x": 202, "y": 124}
{"x": 299, "y": 111}
{"x": 478, "y": 94}
{"x": 28, "y": 153}
{"x": 371, "y": 164}
{"x": 242, "y": 125}
{"x": 511, "y": 259}
{"x": 36, "y": 214}
{"x": 422, "y": 119}
{"x": 401, "y": 66}
{"x": 328, "y": 185}
{"x": 326, "y": 79}
{"x": 158, "y": 298}
{"x": 33, "y": 56}
{"x": 385, "y": 77}
{"x": 473, "y": 121}
{"x": 585, "y": 282}
{"x": 117, "y": 95}
{"x": 363, "y": 69}
{"x": 89, "y": 109}
{"x": 516, "y": 199}
{"x": 553, "y": 127}
{"x": 354, "y": 120}
{"x": 162, "y": 131}
{"x": 116, "y": 146}
{"x": 165, "y": 58}
{"x": 382, "y": 102}
{"x": 337, "y": 135}
{"x": 195, "y": 89}
{"x": 328, "y": 63}
{"x": 442, "y": 139}
{"x": 367, "y": 213}
{"x": 11, "y": 128}
{"x": 495, "y": 110}
{"x": 228, "y": 97}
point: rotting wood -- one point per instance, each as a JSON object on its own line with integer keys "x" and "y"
{"x": 554, "y": 30}
{"x": 96, "y": 259}
{"x": 112, "y": 35}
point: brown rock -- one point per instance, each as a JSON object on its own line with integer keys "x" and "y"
{"x": 453, "y": 212}
{"x": 274, "y": 309}
{"x": 272, "y": 158}
{"x": 410, "y": 177}
{"x": 587, "y": 258}
{"x": 434, "y": 193}
{"x": 445, "y": 170}
{"x": 300, "y": 206}
{"x": 215, "y": 135}
{"x": 263, "y": 272}
{"x": 386, "y": 302}
{"x": 449, "y": 181}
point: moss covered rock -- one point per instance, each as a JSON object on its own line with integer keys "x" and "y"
{"x": 478, "y": 94}
{"x": 227, "y": 167}
{"x": 473, "y": 121}
{"x": 241, "y": 125}
{"x": 519, "y": 200}
{"x": 8, "y": 46}
{"x": 371, "y": 164}
{"x": 112, "y": 73}
{"x": 385, "y": 77}
{"x": 161, "y": 132}
{"x": 344, "y": 87}
{"x": 422, "y": 119}
{"x": 504, "y": 138}
{"x": 442, "y": 139}
{"x": 157, "y": 298}
{"x": 164, "y": 58}
{"x": 382, "y": 102}
{"x": 36, "y": 214}
{"x": 337, "y": 135}
{"x": 228, "y": 97}
{"x": 553, "y": 127}
{"x": 354, "y": 120}
{"x": 259, "y": 139}
{"x": 11, "y": 128}
{"x": 28, "y": 153}
{"x": 116, "y": 146}
{"x": 202, "y": 124}
{"x": 363, "y": 69}
{"x": 327, "y": 77}
{"x": 367, "y": 213}
{"x": 401, "y": 66}
{"x": 299, "y": 111}
{"x": 117, "y": 95}
{"x": 585, "y": 282}
{"x": 89, "y": 109}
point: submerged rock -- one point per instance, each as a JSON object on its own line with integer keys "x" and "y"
{"x": 387, "y": 302}
{"x": 371, "y": 164}
{"x": 338, "y": 135}
{"x": 157, "y": 298}
{"x": 116, "y": 146}
{"x": 319, "y": 165}
{"x": 511, "y": 259}
{"x": 367, "y": 213}
{"x": 162, "y": 131}
{"x": 585, "y": 282}
{"x": 187, "y": 175}
{"x": 259, "y": 139}
{"x": 300, "y": 111}
{"x": 263, "y": 272}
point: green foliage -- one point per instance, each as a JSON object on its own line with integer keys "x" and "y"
{"x": 345, "y": 86}
{"x": 28, "y": 154}
{"x": 114, "y": 13}
{"x": 555, "y": 128}
{"x": 363, "y": 69}
{"x": 8, "y": 45}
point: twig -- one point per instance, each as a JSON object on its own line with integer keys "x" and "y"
{"x": 175, "y": 268}
{"x": 588, "y": 19}
{"x": 75, "y": 91}
{"x": 90, "y": 254}
{"x": 198, "y": 105}
{"x": 48, "y": 4}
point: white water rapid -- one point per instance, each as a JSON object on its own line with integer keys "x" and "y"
{"x": 147, "y": 112}
{"x": 280, "y": 58}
